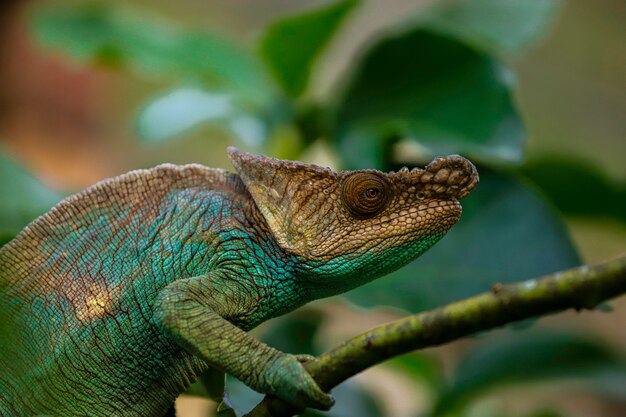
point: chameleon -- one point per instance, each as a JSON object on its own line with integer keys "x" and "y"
{"x": 121, "y": 296}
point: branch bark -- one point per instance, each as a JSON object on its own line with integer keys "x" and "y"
{"x": 579, "y": 288}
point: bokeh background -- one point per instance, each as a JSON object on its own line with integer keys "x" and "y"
{"x": 89, "y": 90}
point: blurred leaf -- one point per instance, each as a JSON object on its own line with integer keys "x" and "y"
{"x": 295, "y": 332}
{"x": 368, "y": 146}
{"x": 351, "y": 400}
{"x": 524, "y": 357}
{"x": 292, "y": 44}
{"x": 545, "y": 413}
{"x": 578, "y": 189}
{"x": 181, "y": 110}
{"x": 523, "y": 325}
{"x": 185, "y": 108}
{"x": 604, "y": 307}
{"x": 487, "y": 408}
{"x": 312, "y": 120}
{"x": 422, "y": 367}
{"x": 506, "y": 234}
{"x": 104, "y": 33}
{"x": 434, "y": 90}
{"x": 496, "y": 25}
{"x": 22, "y": 198}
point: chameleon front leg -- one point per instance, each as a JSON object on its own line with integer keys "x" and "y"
{"x": 196, "y": 313}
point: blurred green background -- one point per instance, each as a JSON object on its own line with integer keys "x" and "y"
{"x": 532, "y": 91}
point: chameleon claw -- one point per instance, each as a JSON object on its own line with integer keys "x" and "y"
{"x": 292, "y": 383}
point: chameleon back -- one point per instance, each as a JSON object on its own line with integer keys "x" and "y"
{"x": 77, "y": 286}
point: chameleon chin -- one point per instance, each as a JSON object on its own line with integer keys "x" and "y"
{"x": 113, "y": 302}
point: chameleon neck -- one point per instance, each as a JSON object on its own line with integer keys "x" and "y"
{"x": 346, "y": 272}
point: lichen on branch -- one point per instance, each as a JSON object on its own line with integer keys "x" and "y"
{"x": 580, "y": 288}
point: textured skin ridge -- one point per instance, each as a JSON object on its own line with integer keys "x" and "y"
{"x": 120, "y": 296}
{"x": 452, "y": 175}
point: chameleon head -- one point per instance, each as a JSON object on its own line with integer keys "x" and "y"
{"x": 356, "y": 223}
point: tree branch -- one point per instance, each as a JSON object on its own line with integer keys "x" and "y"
{"x": 580, "y": 288}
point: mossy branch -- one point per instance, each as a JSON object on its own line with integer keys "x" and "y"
{"x": 580, "y": 288}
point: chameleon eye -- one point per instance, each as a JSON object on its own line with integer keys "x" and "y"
{"x": 365, "y": 194}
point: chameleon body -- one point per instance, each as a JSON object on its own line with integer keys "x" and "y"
{"x": 113, "y": 302}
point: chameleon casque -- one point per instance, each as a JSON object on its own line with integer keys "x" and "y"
{"x": 113, "y": 302}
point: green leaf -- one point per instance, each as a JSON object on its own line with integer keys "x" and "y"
{"x": 529, "y": 356}
{"x": 434, "y": 90}
{"x": 422, "y": 367}
{"x": 506, "y": 26}
{"x": 545, "y": 412}
{"x": 180, "y": 110}
{"x": 183, "y": 109}
{"x": 506, "y": 234}
{"x": 22, "y": 198}
{"x": 291, "y": 45}
{"x": 576, "y": 188}
{"x": 101, "y": 32}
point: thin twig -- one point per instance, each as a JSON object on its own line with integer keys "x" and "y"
{"x": 580, "y": 288}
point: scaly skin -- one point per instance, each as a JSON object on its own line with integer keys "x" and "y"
{"x": 120, "y": 296}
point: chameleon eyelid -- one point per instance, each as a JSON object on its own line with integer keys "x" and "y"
{"x": 355, "y": 192}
